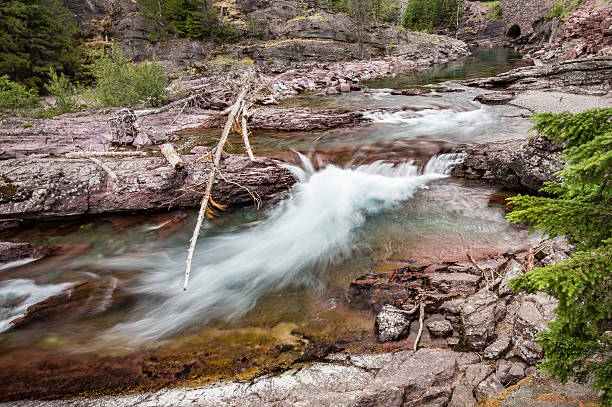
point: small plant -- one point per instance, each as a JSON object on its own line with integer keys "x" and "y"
{"x": 60, "y": 87}
{"x": 16, "y": 97}
{"x": 558, "y": 11}
{"x": 253, "y": 27}
{"x": 120, "y": 82}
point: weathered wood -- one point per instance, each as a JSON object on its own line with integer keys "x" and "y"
{"x": 211, "y": 179}
{"x": 245, "y": 133}
{"x": 172, "y": 156}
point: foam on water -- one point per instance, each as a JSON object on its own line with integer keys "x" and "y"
{"x": 17, "y": 295}
{"x": 315, "y": 226}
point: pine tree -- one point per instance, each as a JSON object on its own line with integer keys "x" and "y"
{"x": 579, "y": 342}
{"x": 36, "y": 35}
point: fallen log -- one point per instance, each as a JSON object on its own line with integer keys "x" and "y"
{"x": 43, "y": 188}
{"x": 172, "y": 156}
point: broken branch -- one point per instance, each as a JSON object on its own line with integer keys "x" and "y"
{"x": 421, "y": 318}
{"x": 172, "y": 156}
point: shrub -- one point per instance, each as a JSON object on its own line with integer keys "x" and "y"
{"x": 15, "y": 97}
{"x": 558, "y": 10}
{"x": 120, "y": 82}
{"x": 578, "y": 344}
{"x": 60, "y": 87}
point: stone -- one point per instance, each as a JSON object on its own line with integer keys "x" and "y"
{"x": 345, "y": 87}
{"x": 440, "y": 329}
{"x": 534, "y": 312}
{"x": 555, "y": 258}
{"x": 331, "y": 91}
{"x": 51, "y": 188}
{"x": 459, "y": 284}
{"x": 452, "y": 306}
{"x": 513, "y": 269}
{"x": 494, "y": 98}
{"x": 488, "y": 387}
{"x": 463, "y": 396}
{"x": 497, "y": 349}
{"x": 392, "y": 323}
{"x": 302, "y": 119}
{"x": 538, "y": 392}
{"x": 479, "y": 314}
{"x": 15, "y": 251}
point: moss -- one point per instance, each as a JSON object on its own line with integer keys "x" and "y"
{"x": 8, "y": 190}
{"x": 501, "y": 396}
{"x": 223, "y": 59}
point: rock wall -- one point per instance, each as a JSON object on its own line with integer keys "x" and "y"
{"x": 521, "y": 15}
{"x": 587, "y": 32}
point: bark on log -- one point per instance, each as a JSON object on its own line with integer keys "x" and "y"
{"x": 52, "y": 188}
{"x": 172, "y": 156}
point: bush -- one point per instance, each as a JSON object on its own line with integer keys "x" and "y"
{"x": 60, "y": 87}
{"x": 578, "y": 344}
{"x": 558, "y": 10}
{"x": 425, "y": 15}
{"x": 15, "y": 97}
{"x": 123, "y": 83}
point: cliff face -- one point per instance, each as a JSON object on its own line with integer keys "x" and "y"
{"x": 277, "y": 35}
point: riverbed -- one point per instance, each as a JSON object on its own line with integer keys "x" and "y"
{"x": 268, "y": 288}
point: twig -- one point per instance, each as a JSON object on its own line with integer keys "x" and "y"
{"x": 421, "y": 317}
{"x": 88, "y": 154}
{"x": 530, "y": 256}
{"x": 211, "y": 180}
{"x": 483, "y": 271}
{"x": 179, "y": 113}
{"x": 254, "y": 195}
{"x": 245, "y": 133}
{"x": 111, "y": 174}
{"x": 393, "y": 275}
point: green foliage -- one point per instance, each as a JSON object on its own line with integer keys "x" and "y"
{"x": 558, "y": 10}
{"x": 123, "y": 83}
{"x": 34, "y": 36}
{"x": 579, "y": 207}
{"x": 425, "y": 15}
{"x": 60, "y": 87}
{"x": 186, "y": 18}
{"x": 15, "y": 97}
{"x": 252, "y": 27}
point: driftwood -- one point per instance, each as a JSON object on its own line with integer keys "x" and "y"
{"x": 421, "y": 318}
{"x": 172, "y": 156}
{"x": 237, "y": 107}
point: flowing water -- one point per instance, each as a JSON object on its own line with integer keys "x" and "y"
{"x": 367, "y": 199}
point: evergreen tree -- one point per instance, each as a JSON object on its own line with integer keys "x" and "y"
{"x": 425, "y": 15}
{"x": 36, "y": 35}
{"x": 579, "y": 342}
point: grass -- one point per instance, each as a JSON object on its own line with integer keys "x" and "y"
{"x": 495, "y": 11}
{"x": 224, "y": 59}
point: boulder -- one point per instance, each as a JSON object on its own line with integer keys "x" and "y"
{"x": 498, "y": 348}
{"x": 513, "y": 269}
{"x": 457, "y": 284}
{"x": 440, "y": 329}
{"x": 534, "y": 312}
{"x": 488, "y": 387}
{"x": 495, "y": 98}
{"x": 392, "y": 323}
{"x": 463, "y": 396}
{"x": 555, "y": 258}
{"x": 15, "y": 251}
{"x": 479, "y": 314}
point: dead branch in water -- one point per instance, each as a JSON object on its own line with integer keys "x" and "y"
{"x": 211, "y": 180}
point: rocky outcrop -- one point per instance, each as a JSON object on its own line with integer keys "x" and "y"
{"x": 587, "y": 32}
{"x": 515, "y": 164}
{"x": 520, "y": 16}
{"x": 578, "y": 75}
{"x": 15, "y": 251}
{"x": 302, "y": 119}
{"x": 49, "y": 188}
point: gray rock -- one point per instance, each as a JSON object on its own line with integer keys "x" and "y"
{"x": 15, "y": 251}
{"x": 488, "y": 387}
{"x": 510, "y": 373}
{"x": 459, "y": 284}
{"x": 332, "y": 91}
{"x": 392, "y": 323}
{"x": 452, "y": 306}
{"x": 534, "y": 312}
{"x": 498, "y": 348}
{"x": 555, "y": 258}
{"x": 463, "y": 396}
{"x": 479, "y": 314}
{"x": 569, "y": 394}
{"x": 495, "y": 98}
{"x": 513, "y": 269}
{"x": 440, "y": 329}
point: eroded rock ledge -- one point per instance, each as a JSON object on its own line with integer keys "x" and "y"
{"x": 519, "y": 165}
{"x": 50, "y": 188}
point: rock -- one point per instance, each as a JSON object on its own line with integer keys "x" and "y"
{"x": 495, "y": 98}
{"x": 15, "y": 251}
{"x": 513, "y": 269}
{"x": 578, "y": 75}
{"x": 555, "y": 258}
{"x": 513, "y": 164}
{"x": 547, "y": 392}
{"x": 457, "y": 284}
{"x": 452, "y": 307}
{"x": 302, "y": 119}
{"x": 51, "y": 188}
{"x": 488, "y": 387}
{"x": 479, "y": 314}
{"x": 497, "y": 349}
{"x": 534, "y": 312}
{"x": 463, "y": 396}
{"x": 331, "y": 91}
{"x": 510, "y": 373}
{"x": 440, "y": 329}
{"x": 392, "y": 323}
{"x": 345, "y": 87}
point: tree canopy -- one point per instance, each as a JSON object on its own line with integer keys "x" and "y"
{"x": 36, "y": 35}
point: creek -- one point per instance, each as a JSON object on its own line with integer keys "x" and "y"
{"x": 268, "y": 286}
